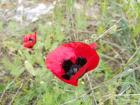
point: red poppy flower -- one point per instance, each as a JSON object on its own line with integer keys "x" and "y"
{"x": 71, "y": 61}
{"x": 29, "y": 40}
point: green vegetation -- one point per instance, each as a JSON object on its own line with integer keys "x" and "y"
{"x": 113, "y": 24}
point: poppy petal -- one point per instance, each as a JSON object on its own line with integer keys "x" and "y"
{"x": 77, "y": 54}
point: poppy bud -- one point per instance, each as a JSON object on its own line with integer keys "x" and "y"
{"x": 29, "y": 40}
{"x": 71, "y": 61}
{"x": 93, "y": 45}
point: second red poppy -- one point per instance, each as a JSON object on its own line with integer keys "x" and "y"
{"x": 29, "y": 40}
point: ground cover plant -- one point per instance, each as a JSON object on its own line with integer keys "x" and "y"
{"x": 113, "y": 24}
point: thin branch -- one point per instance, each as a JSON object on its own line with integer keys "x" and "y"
{"x": 94, "y": 98}
{"x": 108, "y": 30}
{"x": 18, "y": 90}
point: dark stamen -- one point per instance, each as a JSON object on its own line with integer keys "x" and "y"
{"x": 31, "y": 40}
{"x": 81, "y": 61}
{"x": 71, "y": 69}
{"x": 66, "y": 65}
{"x": 65, "y": 76}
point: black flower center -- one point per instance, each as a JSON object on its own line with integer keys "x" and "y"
{"x": 31, "y": 39}
{"x": 71, "y": 69}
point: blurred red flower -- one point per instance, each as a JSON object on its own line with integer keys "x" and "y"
{"x": 29, "y": 40}
{"x": 71, "y": 61}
